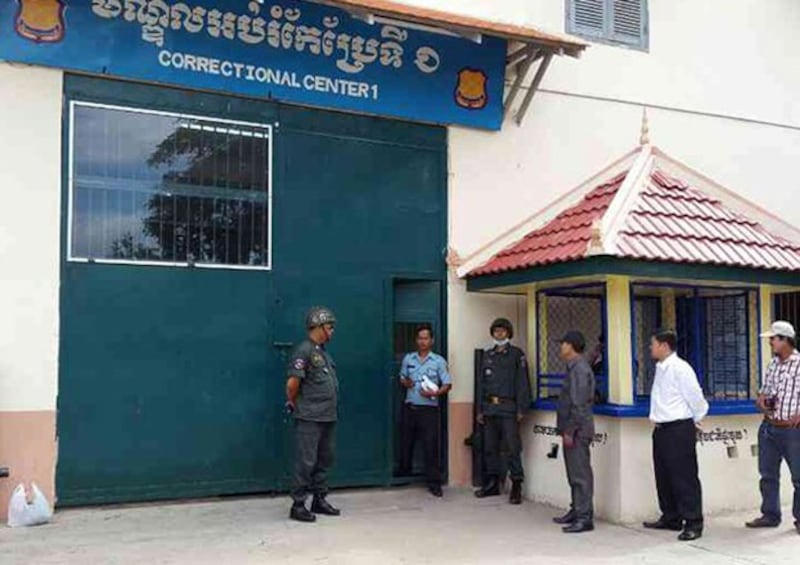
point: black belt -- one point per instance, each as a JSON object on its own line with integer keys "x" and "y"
{"x": 421, "y": 406}
{"x": 674, "y": 423}
{"x": 497, "y": 400}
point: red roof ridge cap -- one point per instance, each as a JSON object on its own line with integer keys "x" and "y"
{"x": 626, "y": 198}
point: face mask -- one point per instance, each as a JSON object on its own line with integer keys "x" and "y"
{"x": 501, "y": 342}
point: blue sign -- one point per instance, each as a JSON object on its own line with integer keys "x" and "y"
{"x": 283, "y": 49}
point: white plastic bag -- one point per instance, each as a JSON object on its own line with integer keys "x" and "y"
{"x": 22, "y": 513}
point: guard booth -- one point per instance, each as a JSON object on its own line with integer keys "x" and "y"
{"x": 222, "y": 170}
{"x": 646, "y": 243}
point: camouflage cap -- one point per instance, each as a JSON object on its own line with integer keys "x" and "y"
{"x": 318, "y": 316}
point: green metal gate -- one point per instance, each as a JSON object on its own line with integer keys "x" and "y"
{"x": 172, "y": 377}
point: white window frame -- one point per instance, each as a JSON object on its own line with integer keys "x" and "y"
{"x": 185, "y": 264}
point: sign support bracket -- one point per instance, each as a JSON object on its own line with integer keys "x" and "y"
{"x": 522, "y": 60}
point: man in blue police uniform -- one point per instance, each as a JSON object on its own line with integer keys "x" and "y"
{"x": 425, "y": 377}
{"x": 312, "y": 397}
{"x": 504, "y": 396}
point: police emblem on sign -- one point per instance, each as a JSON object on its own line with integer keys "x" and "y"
{"x": 41, "y": 21}
{"x": 471, "y": 89}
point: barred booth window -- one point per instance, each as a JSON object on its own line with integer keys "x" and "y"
{"x": 560, "y": 310}
{"x": 646, "y": 321}
{"x": 160, "y": 188}
{"x": 787, "y": 307}
{"x": 717, "y": 334}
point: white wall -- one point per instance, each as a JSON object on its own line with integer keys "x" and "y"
{"x": 500, "y": 179}
{"x": 724, "y": 56}
{"x": 30, "y": 181}
{"x": 625, "y": 488}
{"x": 715, "y": 71}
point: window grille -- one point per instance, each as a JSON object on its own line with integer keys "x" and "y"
{"x": 647, "y": 320}
{"x": 717, "y": 335}
{"x": 786, "y": 307}
{"x": 560, "y": 310}
{"x": 160, "y": 188}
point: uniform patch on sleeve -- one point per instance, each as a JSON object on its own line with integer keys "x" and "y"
{"x": 299, "y": 364}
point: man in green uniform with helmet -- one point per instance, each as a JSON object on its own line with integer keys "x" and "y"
{"x": 503, "y": 397}
{"x": 311, "y": 396}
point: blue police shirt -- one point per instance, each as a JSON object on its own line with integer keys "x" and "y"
{"x": 434, "y": 367}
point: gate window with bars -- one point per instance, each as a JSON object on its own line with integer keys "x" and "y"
{"x": 560, "y": 310}
{"x": 161, "y": 188}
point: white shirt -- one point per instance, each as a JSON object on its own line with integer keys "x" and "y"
{"x": 676, "y": 393}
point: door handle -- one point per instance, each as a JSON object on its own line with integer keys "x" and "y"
{"x": 283, "y": 348}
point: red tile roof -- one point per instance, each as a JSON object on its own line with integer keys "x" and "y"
{"x": 674, "y": 222}
{"x": 669, "y": 221}
{"x": 565, "y": 238}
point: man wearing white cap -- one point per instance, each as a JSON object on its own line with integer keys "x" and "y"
{"x": 779, "y": 435}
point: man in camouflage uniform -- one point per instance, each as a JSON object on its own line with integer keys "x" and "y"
{"x": 312, "y": 395}
{"x": 504, "y": 396}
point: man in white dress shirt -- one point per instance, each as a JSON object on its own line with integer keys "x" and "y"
{"x": 677, "y": 406}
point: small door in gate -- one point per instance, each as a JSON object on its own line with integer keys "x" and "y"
{"x": 415, "y": 302}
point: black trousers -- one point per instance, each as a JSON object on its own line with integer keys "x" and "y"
{"x": 421, "y": 424}
{"x": 578, "y": 460}
{"x": 501, "y": 439}
{"x": 315, "y": 443}
{"x": 680, "y": 495}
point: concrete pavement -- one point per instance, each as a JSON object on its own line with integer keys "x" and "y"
{"x": 402, "y": 526}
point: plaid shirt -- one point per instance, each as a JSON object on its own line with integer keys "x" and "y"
{"x": 782, "y": 382}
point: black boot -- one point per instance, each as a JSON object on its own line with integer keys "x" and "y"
{"x": 301, "y": 514}
{"x": 436, "y": 490}
{"x": 490, "y": 488}
{"x": 515, "y": 497}
{"x": 578, "y": 527}
{"x": 664, "y": 524}
{"x": 567, "y": 518}
{"x": 322, "y": 506}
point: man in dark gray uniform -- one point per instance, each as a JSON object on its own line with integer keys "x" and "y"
{"x": 504, "y": 396}
{"x": 312, "y": 395}
{"x": 575, "y": 423}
